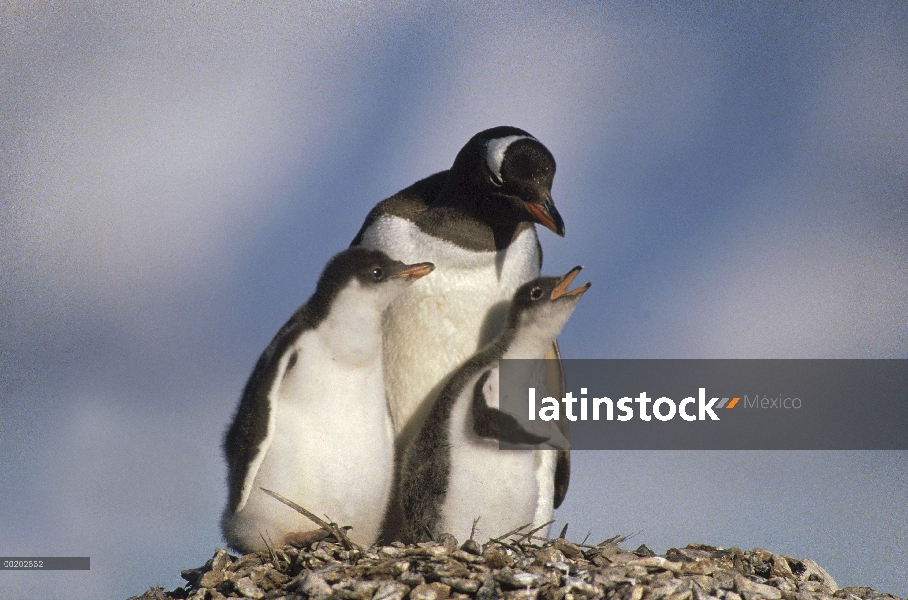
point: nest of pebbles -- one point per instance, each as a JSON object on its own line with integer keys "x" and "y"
{"x": 514, "y": 566}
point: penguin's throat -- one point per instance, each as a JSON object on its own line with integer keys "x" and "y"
{"x": 352, "y": 329}
{"x": 532, "y": 338}
{"x": 476, "y": 222}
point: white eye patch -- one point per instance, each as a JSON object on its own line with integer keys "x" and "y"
{"x": 495, "y": 150}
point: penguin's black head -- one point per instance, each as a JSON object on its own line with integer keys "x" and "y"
{"x": 370, "y": 270}
{"x": 544, "y": 304}
{"x": 508, "y": 174}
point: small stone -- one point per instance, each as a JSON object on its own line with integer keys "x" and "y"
{"x": 310, "y": 584}
{"x": 813, "y": 587}
{"x": 211, "y": 579}
{"x": 438, "y": 549}
{"x": 489, "y": 590}
{"x": 664, "y": 591}
{"x": 391, "y": 590}
{"x": 323, "y": 554}
{"x": 332, "y": 574}
{"x": 250, "y": 560}
{"x": 611, "y": 577}
{"x": 220, "y": 560}
{"x": 701, "y": 567}
{"x": 564, "y": 567}
{"x": 698, "y": 592}
{"x": 658, "y": 562}
{"x": 752, "y": 590}
{"x": 495, "y": 556}
{"x": 706, "y": 547}
{"x": 707, "y": 584}
{"x": 459, "y": 584}
{"x": 524, "y": 594}
{"x": 857, "y": 592}
{"x": 570, "y": 550}
{"x": 687, "y": 554}
{"x": 450, "y": 569}
{"x": 227, "y": 587}
{"x": 781, "y": 567}
{"x": 193, "y": 575}
{"x": 467, "y": 557}
{"x": 424, "y": 592}
{"x": 814, "y": 572}
{"x": 366, "y": 588}
{"x": 614, "y": 555}
{"x": 643, "y": 551}
{"x": 248, "y": 589}
{"x": 448, "y": 540}
{"x": 411, "y": 578}
{"x": 400, "y": 567}
{"x": 472, "y": 547}
{"x": 636, "y": 592}
{"x": 725, "y": 582}
{"x": 511, "y": 580}
{"x": 783, "y": 584}
{"x": 580, "y": 586}
{"x": 660, "y": 578}
{"x": 549, "y": 554}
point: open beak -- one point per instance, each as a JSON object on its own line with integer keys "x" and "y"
{"x": 415, "y": 271}
{"x": 562, "y": 288}
{"x": 546, "y": 214}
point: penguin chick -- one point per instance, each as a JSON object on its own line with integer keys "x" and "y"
{"x": 313, "y": 422}
{"x": 453, "y": 472}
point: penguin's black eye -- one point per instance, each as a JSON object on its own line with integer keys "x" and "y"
{"x": 536, "y": 293}
{"x": 377, "y": 273}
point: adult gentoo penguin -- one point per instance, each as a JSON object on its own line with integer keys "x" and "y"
{"x": 453, "y": 473}
{"x": 313, "y": 423}
{"x": 475, "y": 222}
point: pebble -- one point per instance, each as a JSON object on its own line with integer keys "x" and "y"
{"x": 248, "y": 589}
{"x": 392, "y": 590}
{"x": 514, "y": 569}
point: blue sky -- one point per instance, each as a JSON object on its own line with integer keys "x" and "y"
{"x": 733, "y": 178}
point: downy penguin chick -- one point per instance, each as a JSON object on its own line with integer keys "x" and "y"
{"x": 313, "y": 422}
{"x": 453, "y": 472}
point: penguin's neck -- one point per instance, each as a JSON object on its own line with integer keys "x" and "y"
{"x": 467, "y": 216}
{"x": 529, "y": 340}
{"x": 352, "y": 329}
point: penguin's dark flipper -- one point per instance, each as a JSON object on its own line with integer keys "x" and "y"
{"x": 491, "y": 423}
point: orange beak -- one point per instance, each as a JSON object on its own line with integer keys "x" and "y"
{"x": 415, "y": 271}
{"x": 562, "y": 288}
{"x": 547, "y": 215}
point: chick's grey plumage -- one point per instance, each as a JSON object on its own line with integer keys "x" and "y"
{"x": 331, "y": 343}
{"x": 475, "y": 222}
{"x": 501, "y": 488}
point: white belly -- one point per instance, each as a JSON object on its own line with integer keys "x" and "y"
{"x": 504, "y": 489}
{"x": 444, "y": 318}
{"x": 331, "y": 451}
